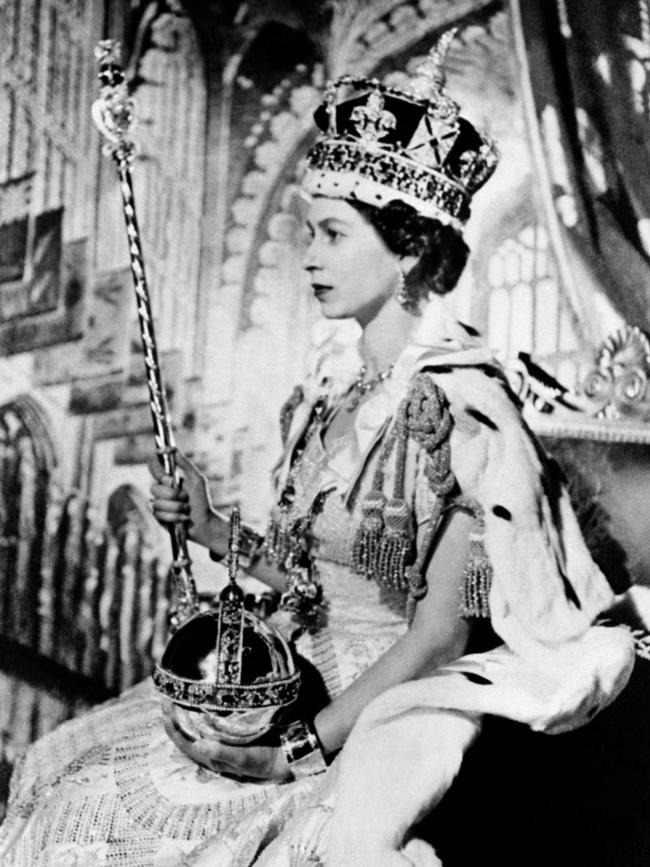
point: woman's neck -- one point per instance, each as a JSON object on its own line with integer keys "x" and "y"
{"x": 385, "y": 336}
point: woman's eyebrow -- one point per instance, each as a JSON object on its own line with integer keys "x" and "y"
{"x": 326, "y": 222}
{"x": 339, "y": 221}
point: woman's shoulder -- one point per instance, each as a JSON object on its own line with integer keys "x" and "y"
{"x": 486, "y": 423}
{"x": 475, "y": 392}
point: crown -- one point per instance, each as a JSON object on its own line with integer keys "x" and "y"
{"x": 381, "y": 143}
{"x": 228, "y": 672}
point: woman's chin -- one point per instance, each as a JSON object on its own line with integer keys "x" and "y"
{"x": 331, "y": 311}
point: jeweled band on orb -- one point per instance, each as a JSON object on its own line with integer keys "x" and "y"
{"x": 208, "y": 696}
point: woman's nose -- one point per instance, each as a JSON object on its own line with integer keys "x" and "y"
{"x": 310, "y": 259}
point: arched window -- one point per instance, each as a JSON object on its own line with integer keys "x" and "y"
{"x": 132, "y": 590}
{"x": 525, "y": 309}
{"x": 105, "y": 589}
{"x": 46, "y": 175}
{"x": 26, "y": 460}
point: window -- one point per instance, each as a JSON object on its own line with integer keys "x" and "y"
{"x": 526, "y": 312}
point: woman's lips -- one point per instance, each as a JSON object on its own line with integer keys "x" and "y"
{"x": 320, "y": 289}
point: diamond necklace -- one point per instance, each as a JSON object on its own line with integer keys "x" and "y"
{"x": 361, "y": 387}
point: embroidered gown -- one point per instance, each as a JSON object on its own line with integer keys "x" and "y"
{"x": 110, "y": 788}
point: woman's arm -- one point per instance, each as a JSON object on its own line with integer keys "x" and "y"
{"x": 205, "y": 525}
{"x": 438, "y": 635}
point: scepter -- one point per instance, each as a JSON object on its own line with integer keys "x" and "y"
{"x": 114, "y": 116}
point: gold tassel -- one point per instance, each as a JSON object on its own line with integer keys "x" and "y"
{"x": 477, "y": 576}
{"x": 395, "y": 547}
{"x": 365, "y": 548}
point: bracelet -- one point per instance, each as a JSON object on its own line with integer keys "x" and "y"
{"x": 250, "y": 547}
{"x": 302, "y": 750}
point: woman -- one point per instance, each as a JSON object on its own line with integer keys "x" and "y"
{"x": 354, "y": 274}
{"x": 394, "y": 499}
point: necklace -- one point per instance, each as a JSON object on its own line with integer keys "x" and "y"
{"x": 362, "y": 386}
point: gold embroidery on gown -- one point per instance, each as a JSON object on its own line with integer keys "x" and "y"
{"x": 110, "y": 788}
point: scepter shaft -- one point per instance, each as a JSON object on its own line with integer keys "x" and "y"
{"x": 113, "y": 114}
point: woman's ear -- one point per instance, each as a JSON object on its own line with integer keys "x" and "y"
{"x": 407, "y": 263}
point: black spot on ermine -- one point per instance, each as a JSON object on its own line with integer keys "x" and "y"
{"x": 479, "y": 416}
{"x": 476, "y": 678}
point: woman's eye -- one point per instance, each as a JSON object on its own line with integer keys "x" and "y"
{"x": 333, "y": 235}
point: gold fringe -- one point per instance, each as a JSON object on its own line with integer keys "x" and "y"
{"x": 477, "y": 576}
{"x": 365, "y": 549}
{"x": 395, "y": 547}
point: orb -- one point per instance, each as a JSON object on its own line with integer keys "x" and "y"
{"x": 227, "y": 671}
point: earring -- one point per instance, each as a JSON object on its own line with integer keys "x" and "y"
{"x": 401, "y": 295}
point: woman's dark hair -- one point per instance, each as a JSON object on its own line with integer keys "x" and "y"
{"x": 441, "y": 250}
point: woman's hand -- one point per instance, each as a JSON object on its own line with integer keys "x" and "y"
{"x": 252, "y": 762}
{"x": 189, "y": 503}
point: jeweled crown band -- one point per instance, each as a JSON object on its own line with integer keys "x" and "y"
{"x": 346, "y": 169}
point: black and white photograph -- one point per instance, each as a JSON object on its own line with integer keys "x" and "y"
{"x": 324, "y": 433}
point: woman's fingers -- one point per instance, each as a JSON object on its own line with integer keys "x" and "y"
{"x": 155, "y": 468}
{"x": 215, "y": 755}
{"x": 174, "y": 507}
{"x": 209, "y": 754}
{"x": 183, "y": 743}
{"x": 167, "y": 491}
{"x": 171, "y": 517}
{"x": 186, "y": 465}
{"x": 169, "y": 502}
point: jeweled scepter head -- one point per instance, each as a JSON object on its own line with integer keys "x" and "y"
{"x": 114, "y": 111}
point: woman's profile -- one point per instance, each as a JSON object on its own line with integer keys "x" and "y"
{"x": 430, "y": 566}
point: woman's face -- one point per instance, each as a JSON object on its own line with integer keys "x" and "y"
{"x": 352, "y": 271}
